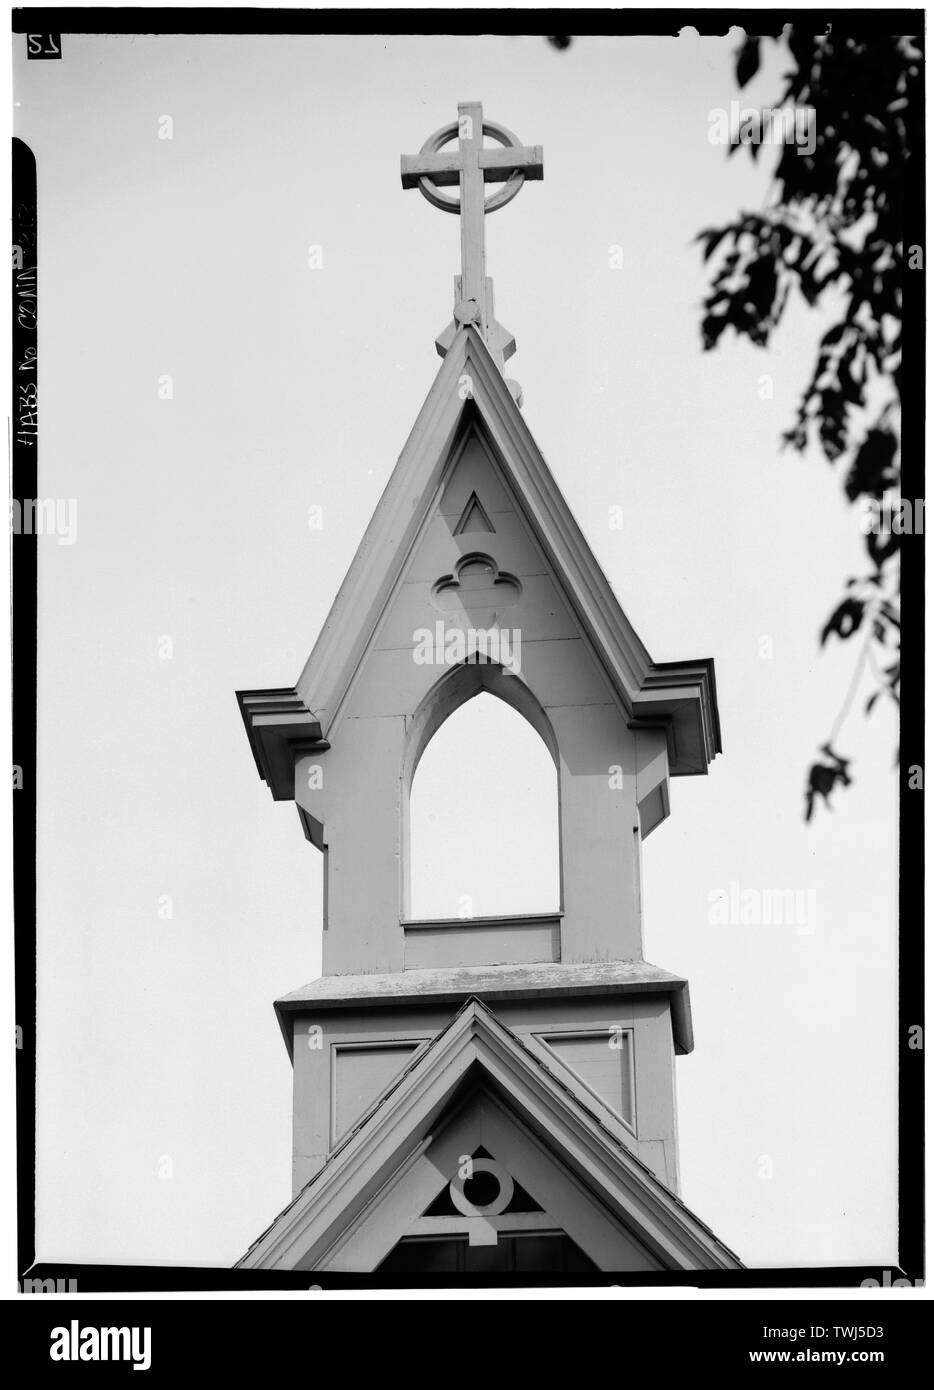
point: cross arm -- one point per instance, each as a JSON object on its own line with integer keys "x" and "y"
{"x": 524, "y": 159}
{"x": 495, "y": 165}
{"x": 442, "y": 168}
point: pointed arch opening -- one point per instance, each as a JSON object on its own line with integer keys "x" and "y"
{"x": 483, "y": 822}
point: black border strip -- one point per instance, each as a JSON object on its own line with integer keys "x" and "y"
{"x": 911, "y": 725}
{"x": 201, "y": 20}
{"x": 24, "y": 448}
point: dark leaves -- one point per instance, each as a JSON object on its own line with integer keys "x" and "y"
{"x": 751, "y": 283}
{"x": 711, "y": 238}
{"x": 832, "y": 429}
{"x": 872, "y": 472}
{"x": 881, "y": 547}
{"x": 844, "y": 620}
{"x": 823, "y": 776}
{"x": 832, "y": 232}
{"x": 747, "y": 61}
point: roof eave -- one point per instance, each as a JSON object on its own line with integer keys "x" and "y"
{"x": 280, "y": 728}
{"x": 681, "y": 697}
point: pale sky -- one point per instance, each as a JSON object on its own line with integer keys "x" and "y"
{"x": 164, "y": 1087}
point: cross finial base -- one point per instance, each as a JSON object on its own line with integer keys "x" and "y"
{"x": 499, "y": 340}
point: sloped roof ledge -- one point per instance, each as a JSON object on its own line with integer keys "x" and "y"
{"x": 491, "y": 983}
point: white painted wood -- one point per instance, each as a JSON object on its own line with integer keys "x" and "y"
{"x": 384, "y": 1150}
{"x": 529, "y": 941}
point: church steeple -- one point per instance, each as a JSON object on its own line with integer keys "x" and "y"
{"x": 540, "y": 1049}
{"x": 472, "y": 166}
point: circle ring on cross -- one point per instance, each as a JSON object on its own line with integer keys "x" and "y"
{"x": 430, "y": 190}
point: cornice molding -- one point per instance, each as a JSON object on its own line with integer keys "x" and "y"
{"x": 491, "y": 983}
{"x": 281, "y": 729}
{"x": 682, "y": 697}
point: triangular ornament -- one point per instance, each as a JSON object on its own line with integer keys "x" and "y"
{"x": 474, "y": 518}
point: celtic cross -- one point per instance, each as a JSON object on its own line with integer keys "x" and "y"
{"x": 473, "y": 165}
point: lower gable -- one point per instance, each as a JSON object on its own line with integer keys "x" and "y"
{"x": 478, "y": 1157}
{"x": 479, "y": 1137}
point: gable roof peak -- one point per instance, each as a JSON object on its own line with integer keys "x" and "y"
{"x": 469, "y": 394}
{"x": 404, "y": 1117}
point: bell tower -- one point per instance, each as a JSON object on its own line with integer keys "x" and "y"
{"x": 490, "y": 1093}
